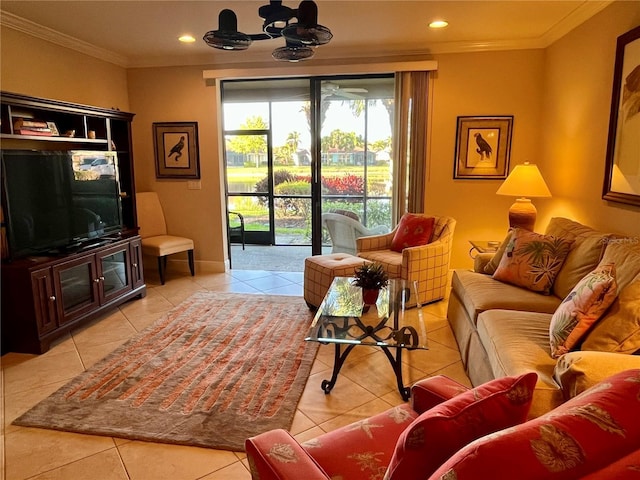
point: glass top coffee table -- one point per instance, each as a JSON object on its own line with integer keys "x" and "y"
{"x": 344, "y": 321}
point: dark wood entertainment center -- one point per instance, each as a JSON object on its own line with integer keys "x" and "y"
{"x": 45, "y": 296}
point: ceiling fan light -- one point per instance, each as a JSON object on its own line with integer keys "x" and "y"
{"x": 226, "y": 40}
{"x": 312, "y": 36}
{"x": 292, "y": 53}
{"x": 227, "y": 37}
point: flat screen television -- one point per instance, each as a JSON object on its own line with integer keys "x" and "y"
{"x": 57, "y": 201}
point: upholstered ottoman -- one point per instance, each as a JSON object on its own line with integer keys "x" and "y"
{"x": 320, "y": 270}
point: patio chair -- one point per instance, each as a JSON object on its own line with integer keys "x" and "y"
{"x": 236, "y": 233}
{"x": 153, "y": 231}
{"x": 345, "y": 230}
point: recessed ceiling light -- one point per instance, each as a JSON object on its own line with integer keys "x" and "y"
{"x": 186, "y": 39}
{"x": 438, "y": 24}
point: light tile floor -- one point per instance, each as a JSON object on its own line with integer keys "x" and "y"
{"x": 366, "y": 386}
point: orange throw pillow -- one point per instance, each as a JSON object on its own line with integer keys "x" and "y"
{"x": 413, "y": 230}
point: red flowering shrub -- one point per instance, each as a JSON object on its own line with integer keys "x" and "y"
{"x": 345, "y": 185}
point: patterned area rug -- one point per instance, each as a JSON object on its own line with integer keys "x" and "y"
{"x": 215, "y": 370}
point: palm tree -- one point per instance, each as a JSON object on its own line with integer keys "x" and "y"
{"x": 306, "y": 108}
{"x": 293, "y": 140}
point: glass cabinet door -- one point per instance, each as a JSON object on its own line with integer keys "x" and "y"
{"x": 76, "y": 287}
{"x": 113, "y": 272}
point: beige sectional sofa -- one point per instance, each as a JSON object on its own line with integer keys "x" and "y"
{"x": 502, "y": 329}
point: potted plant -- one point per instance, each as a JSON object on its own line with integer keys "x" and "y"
{"x": 371, "y": 277}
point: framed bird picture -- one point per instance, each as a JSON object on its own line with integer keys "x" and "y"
{"x": 176, "y": 150}
{"x": 483, "y": 147}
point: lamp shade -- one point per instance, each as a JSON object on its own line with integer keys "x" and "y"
{"x": 525, "y": 181}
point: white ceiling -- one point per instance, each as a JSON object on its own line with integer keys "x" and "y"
{"x": 137, "y": 33}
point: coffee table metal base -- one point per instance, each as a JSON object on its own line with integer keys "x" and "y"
{"x": 340, "y": 356}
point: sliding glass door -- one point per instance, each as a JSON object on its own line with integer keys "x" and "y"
{"x": 356, "y": 125}
{"x": 268, "y": 159}
{"x": 296, "y": 148}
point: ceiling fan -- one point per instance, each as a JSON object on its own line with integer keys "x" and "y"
{"x": 330, "y": 89}
{"x": 300, "y": 36}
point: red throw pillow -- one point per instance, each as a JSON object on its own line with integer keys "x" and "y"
{"x": 413, "y": 230}
{"x": 440, "y": 432}
{"x": 583, "y": 435}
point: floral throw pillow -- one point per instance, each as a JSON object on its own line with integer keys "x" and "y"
{"x": 413, "y": 230}
{"x": 586, "y": 303}
{"x": 619, "y": 329}
{"x": 532, "y": 260}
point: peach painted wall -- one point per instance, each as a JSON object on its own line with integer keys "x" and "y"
{"x": 41, "y": 69}
{"x": 180, "y": 95}
{"x": 480, "y": 84}
{"x": 577, "y": 101}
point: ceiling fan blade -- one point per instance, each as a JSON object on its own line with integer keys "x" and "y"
{"x": 348, "y": 95}
{"x": 355, "y": 90}
{"x": 330, "y": 89}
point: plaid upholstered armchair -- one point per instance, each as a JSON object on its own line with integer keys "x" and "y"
{"x": 428, "y": 264}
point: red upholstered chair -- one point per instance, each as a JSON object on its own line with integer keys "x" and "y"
{"x": 478, "y": 433}
{"x": 366, "y": 449}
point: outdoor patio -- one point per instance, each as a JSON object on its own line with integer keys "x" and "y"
{"x": 281, "y": 258}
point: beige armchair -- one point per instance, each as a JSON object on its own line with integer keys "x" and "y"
{"x": 427, "y": 264}
{"x": 153, "y": 231}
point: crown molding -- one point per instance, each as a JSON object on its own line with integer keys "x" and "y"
{"x": 579, "y": 15}
{"x": 33, "y": 29}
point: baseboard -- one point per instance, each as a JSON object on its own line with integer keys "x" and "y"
{"x": 182, "y": 265}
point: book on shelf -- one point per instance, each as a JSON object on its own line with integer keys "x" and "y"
{"x": 24, "y": 123}
{"x": 36, "y": 129}
{"x": 33, "y": 131}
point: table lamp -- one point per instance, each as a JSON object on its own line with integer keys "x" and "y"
{"x": 524, "y": 181}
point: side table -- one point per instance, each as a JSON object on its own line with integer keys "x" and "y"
{"x": 483, "y": 246}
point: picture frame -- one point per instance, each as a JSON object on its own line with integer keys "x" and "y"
{"x": 54, "y": 129}
{"x": 622, "y": 167}
{"x": 483, "y": 147}
{"x": 176, "y": 150}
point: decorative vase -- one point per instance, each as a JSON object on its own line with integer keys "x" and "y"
{"x": 370, "y": 295}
